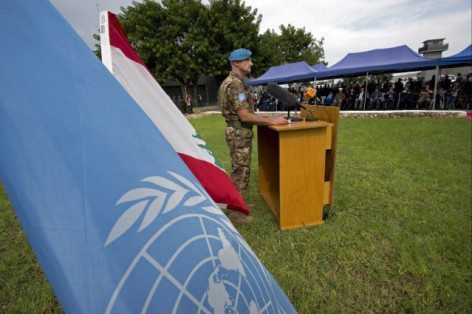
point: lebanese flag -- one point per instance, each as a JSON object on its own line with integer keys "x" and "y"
{"x": 128, "y": 68}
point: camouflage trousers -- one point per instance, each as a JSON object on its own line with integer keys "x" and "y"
{"x": 240, "y": 148}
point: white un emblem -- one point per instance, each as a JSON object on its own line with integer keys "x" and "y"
{"x": 195, "y": 263}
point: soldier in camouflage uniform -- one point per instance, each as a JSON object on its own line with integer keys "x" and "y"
{"x": 237, "y": 107}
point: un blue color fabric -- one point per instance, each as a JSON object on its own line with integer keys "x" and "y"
{"x": 116, "y": 220}
{"x": 319, "y": 67}
{"x": 297, "y": 71}
{"x": 239, "y": 54}
{"x": 387, "y": 60}
{"x": 462, "y": 58}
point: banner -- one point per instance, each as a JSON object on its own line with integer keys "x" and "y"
{"x": 117, "y": 221}
{"x": 128, "y": 68}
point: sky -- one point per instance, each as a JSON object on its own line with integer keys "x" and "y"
{"x": 346, "y": 25}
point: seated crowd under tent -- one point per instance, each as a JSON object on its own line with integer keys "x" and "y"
{"x": 410, "y": 94}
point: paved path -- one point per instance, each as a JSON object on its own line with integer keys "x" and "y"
{"x": 365, "y": 114}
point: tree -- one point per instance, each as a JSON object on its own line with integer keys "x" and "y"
{"x": 292, "y": 45}
{"x": 231, "y": 25}
{"x": 298, "y": 45}
{"x": 268, "y": 53}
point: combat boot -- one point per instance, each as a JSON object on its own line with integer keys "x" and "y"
{"x": 238, "y": 218}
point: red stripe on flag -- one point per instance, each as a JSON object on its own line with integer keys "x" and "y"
{"x": 119, "y": 40}
{"x": 216, "y": 182}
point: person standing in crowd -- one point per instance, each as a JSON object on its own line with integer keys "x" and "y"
{"x": 446, "y": 85}
{"x": 398, "y": 89}
{"x": 188, "y": 107}
{"x": 415, "y": 90}
{"x": 464, "y": 95}
{"x": 237, "y": 107}
{"x": 390, "y": 99}
{"x": 351, "y": 99}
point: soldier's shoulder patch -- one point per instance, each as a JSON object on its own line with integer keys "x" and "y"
{"x": 241, "y": 96}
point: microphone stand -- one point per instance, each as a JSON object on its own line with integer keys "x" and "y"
{"x": 293, "y": 119}
{"x": 310, "y": 112}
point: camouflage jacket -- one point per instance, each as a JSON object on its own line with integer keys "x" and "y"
{"x": 233, "y": 96}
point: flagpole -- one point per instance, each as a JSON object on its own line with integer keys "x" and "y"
{"x": 435, "y": 86}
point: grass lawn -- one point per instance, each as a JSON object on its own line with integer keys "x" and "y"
{"x": 399, "y": 238}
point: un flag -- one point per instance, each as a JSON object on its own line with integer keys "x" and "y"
{"x": 117, "y": 221}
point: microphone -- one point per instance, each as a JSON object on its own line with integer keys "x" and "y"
{"x": 287, "y": 98}
{"x": 280, "y": 93}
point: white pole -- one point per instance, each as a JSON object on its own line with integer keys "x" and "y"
{"x": 435, "y": 86}
{"x": 276, "y": 100}
{"x": 314, "y": 87}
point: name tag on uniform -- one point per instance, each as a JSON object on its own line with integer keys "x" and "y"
{"x": 242, "y": 97}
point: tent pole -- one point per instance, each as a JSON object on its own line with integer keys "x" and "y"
{"x": 435, "y": 87}
{"x": 314, "y": 86}
{"x": 365, "y": 90}
{"x": 277, "y": 101}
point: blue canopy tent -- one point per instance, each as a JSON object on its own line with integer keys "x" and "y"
{"x": 462, "y": 58}
{"x": 385, "y": 60}
{"x": 395, "y": 59}
{"x": 319, "y": 67}
{"x": 285, "y": 73}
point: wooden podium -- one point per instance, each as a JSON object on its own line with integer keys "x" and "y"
{"x": 296, "y": 167}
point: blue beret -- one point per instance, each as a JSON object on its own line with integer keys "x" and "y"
{"x": 239, "y": 54}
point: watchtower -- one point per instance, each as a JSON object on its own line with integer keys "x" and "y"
{"x": 433, "y": 48}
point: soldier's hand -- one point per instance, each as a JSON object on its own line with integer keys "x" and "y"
{"x": 279, "y": 120}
